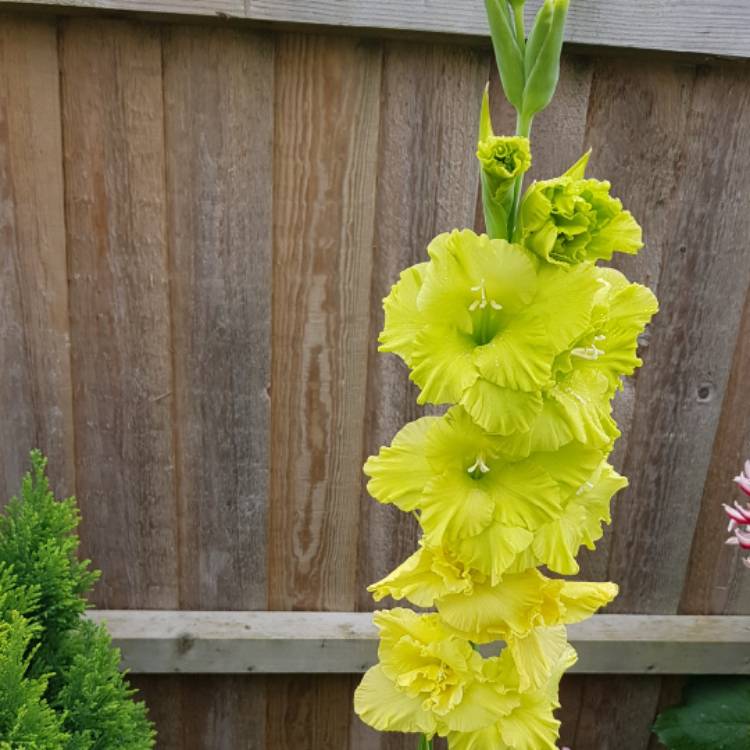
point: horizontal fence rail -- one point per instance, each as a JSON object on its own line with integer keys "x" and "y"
{"x": 342, "y": 642}
{"x": 717, "y": 27}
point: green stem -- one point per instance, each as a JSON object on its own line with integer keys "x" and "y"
{"x": 523, "y": 127}
{"x": 520, "y": 31}
{"x": 424, "y": 743}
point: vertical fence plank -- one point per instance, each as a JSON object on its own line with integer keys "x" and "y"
{"x": 427, "y": 181}
{"x": 218, "y": 91}
{"x": 326, "y": 140}
{"x": 327, "y": 114}
{"x": 35, "y": 388}
{"x": 117, "y": 255}
{"x": 717, "y": 583}
{"x": 219, "y": 116}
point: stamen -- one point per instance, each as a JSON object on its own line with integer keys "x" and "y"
{"x": 479, "y": 464}
{"x": 600, "y": 337}
{"x": 584, "y": 487}
{"x": 482, "y": 302}
{"x": 590, "y": 353}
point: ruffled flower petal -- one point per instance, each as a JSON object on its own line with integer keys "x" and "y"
{"x": 400, "y": 471}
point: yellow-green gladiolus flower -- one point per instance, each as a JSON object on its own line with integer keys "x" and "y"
{"x": 531, "y": 724}
{"x": 570, "y": 220}
{"x": 557, "y": 543}
{"x": 524, "y": 609}
{"x": 622, "y": 311}
{"x": 577, "y": 406}
{"x": 483, "y": 612}
{"x": 472, "y": 498}
{"x": 428, "y": 680}
{"x": 481, "y": 325}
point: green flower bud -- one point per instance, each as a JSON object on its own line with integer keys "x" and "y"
{"x": 570, "y": 220}
{"x": 503, "y": 159}
{"x": 542, "y": 56}
{"x": 507, "y": 52}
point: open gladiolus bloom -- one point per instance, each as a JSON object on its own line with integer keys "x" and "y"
{"x": 526, "y": 340}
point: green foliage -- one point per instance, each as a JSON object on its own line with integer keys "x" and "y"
{"x": 26, "y": 720}
{"x": 37, "y": 541}
{"x": 714, "y": 716}
{"x": 95, "y": 697}
{"x": 50, "y": 657}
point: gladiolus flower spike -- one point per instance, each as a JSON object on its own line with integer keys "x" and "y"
{"x": 527, "y": 340}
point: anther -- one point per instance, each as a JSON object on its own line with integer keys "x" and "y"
{"x": 590, "y": 353}
{"x": 479, "y": 464}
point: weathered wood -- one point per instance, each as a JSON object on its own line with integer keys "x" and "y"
{"x": 219, "y": 137}
{"x": 208, "y": 8}
{"x": 427, "y": 182}
{"x": 326, "y": 142}
{"x": 218, "y": 93}
{"x": 716, "y": 581}
{"x": 716, "y": 28}
{"x": 35, "y": 387}
{"x": 346, "y": 642}
{"x": 327, "y": 115}
{"x": 119, "y": 303}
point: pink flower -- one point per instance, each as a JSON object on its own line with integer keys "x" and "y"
{"x": 739, "y": 517}
{"x": 743, "y": 480}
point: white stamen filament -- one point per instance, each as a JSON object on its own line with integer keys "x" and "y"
{"x": 600, "y": 337}
{"x": 482, "y": 302}
{"x": 590, "y": 353}
{"x": 584, "y": 487}
{"x": 479, "y": 464}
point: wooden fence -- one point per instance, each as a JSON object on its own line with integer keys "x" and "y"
{"x": 198, "y": 220}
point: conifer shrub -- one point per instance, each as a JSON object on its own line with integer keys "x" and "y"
{"x": 60, "y": 681}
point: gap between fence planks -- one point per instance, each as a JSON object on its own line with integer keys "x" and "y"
{"x": 158, "y": 641}
{"x": 715, "y": 28}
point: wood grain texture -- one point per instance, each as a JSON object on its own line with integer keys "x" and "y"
{"x": 327, "y": 102}
{"x": 219, "y": 133}
{"x": 119, "y": 301}
{"x": 218, "y": 94}
{"x": 326, "y": 137}
{"x": 201, "y": 642}
{"x": 35, "y": 386}
{"x": 218, "y": 712}
{"x": 717, "y": 28}
{"x": 716, "y": 581}
{"x": 677, "y": 25}
{"x": 209, "y": 8}
{"x": 427, "y": 182}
